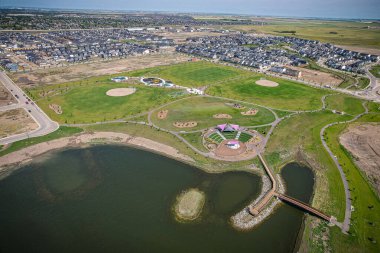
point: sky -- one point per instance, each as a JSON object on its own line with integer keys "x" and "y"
{"x": 362, "y": 9}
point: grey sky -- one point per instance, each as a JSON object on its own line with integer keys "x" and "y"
{"x": 298, "y": 8}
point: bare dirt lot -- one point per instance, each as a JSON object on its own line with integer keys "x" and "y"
{"x": 16, "y": 121}
{"x": 363, "y": 141}
{"x": 6, "y": 97}
{"x": 185, "y": 124}
{"x": 222, "y": 116}
{"x": 162, "y": 114}
{"x": 77, "y": 72}
{"x": 317, "y": 76}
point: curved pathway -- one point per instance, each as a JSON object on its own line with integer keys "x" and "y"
{"x": 347, "y": 216}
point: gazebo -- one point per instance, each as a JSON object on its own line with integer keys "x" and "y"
{"x": 228, "y": 127}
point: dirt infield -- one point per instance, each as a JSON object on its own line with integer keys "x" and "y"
{"x": 16, "y": 121}
{"x": 120, "y": 92}
{"x": 223, "y": 150}
{"x": 56, "y": 108}
{"x": 363, "y": 142}
{"x": 267, "y": 83}
{"x": 222, "y": 116}
{"x": 187, "y": 124}
{"x": 250, "y": 112}
{"x": 162, "y": 114}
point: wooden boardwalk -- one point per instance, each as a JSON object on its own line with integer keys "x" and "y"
{"x": 303, "y": 206}
{"x": 256, "y": 209}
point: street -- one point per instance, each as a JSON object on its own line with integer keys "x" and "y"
{"x": 46, "y": 125}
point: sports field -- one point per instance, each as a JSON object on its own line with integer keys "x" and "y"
{"x": 202, "y": 110}
{"x": 288, "y": 95}
{"x": 87, "y": 104}
{"x": 192, "y": 74}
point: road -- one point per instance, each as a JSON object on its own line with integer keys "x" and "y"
{"x": 347, "y": 216}
{"x": 45, "y": 124}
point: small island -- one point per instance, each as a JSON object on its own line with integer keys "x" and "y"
{"x": 189, "y": 205}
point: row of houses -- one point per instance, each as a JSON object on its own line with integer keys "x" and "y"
{"x": 56, "y": 47}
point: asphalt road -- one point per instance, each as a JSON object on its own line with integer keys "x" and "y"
{"x": 46, "y": 125}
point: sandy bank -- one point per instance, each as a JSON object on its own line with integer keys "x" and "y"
{"x": 27, "y": 154}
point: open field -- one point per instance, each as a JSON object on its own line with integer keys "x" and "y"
{"x": 314, "y": 76}
{"x": 365, "y": 219}
{"x": 6, "y": 97}
{"x": 375, "y": 70}
{"x": 192, "y": 74}
{"x": 288, "y": 95}
{"x": 347, "y": 80}
{"x": 16, "y": 121}
{"x": 349, "y": 33}
{"x": 90, "y": 103}
{"x": 81, "y": 71}
{"x": 202, "y": 109}
{"x": 344, "y": 103}
{"x": 362, "y": 140}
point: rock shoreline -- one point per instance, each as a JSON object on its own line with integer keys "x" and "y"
{"x": 243, "y": 220}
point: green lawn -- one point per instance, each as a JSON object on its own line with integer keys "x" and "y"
{"x": 375, "y": 70}
{"x": 192, "y": 74}
{"x": 89, "y": 103}
{"x": 244, "y": 137}
{"x": 344, "y": 103}
{"x": 195, "y": 139}
{"x": 202, "y": 109}
{"x": 288, "y": 95}
{"x": 216, "y": 137}
{"x": 61, "y": 132}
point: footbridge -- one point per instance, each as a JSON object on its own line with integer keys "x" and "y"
{"x": 257, "y": 208}
{"x": 303, "y": 206}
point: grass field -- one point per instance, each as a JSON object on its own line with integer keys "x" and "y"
{"x": 350, "y": 33}
{"x": 288, "y": 95}
{"x": 344, "y": 103}
{"x": 202, "y": 109}
{"x": 216, "y": 138}
{"x": 89, "y": 103}
{"x": 365, "y": 221}
{"x": 192, "y": 74}
{"x": 375, "y": 70}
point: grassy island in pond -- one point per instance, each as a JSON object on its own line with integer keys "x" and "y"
{"x": 189, "y": 205}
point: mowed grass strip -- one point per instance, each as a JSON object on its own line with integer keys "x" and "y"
{"x": 86, "y": 104}
{"x": 288, "y": 95}
{"x": 202, "y": 110}
{"x": 192, "y": 74}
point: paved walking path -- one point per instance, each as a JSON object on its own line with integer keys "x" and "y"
{"x": 347, "y": 215}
